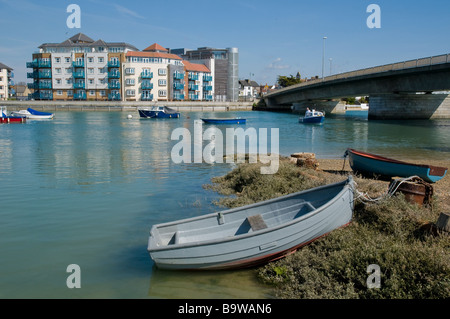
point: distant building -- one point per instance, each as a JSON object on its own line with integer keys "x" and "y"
{"x": 83, "y": 69}
{"x": 224, "y": 65}
{"x": 22, "y": 92}
{"x": 6, "y": 82}
{"x": 248, "y": 89}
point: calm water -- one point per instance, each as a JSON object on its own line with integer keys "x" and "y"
{"x": 86, "y": 187}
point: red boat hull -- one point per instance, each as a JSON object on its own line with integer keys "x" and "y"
{"x": 13, "y": 119}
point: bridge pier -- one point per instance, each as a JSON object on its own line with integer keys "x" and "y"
{"x": 332, "y": 106}
{"x": 409, "y": 106}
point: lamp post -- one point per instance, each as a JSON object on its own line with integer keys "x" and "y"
{"x": 323, "y": 56}
{"x": 331, "y": 63}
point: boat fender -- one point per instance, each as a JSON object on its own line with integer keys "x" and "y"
{"x": 221, "y": 218}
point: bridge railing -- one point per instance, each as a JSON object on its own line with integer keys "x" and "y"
{"x": 439, "y": 59}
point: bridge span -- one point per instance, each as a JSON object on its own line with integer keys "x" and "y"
{"x": 415, "y": 89}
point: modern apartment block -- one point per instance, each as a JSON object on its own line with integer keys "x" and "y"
{"x": 78, "y": 69}
{"x": 6, "y": 82}
{"x": 224, "y": 65}
{"x": 83, "y": 69}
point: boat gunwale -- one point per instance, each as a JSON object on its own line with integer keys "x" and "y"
{"x": 346, "y": 185}
{"x": 433, "y": 169}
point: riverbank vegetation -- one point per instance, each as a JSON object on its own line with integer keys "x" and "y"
{"x": 393, "y": 234}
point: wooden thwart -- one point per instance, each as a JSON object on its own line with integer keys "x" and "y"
{"x": 256, "y": 222}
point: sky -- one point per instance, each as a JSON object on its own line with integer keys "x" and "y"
{"x": 274, "y": 38}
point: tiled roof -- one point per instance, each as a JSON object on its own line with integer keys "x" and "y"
{"x": 81, "y": 37}
{"x": 156, "y": 47}
{"x": 81, "y": 40}
{"x": 196, "y": 67}
{"x": 153, "y": 55}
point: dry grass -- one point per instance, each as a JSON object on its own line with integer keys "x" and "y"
{"x": 413, "y": 262}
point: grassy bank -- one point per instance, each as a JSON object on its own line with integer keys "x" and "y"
{"x": 392, "y": 234}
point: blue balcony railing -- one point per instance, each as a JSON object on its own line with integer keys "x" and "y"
{"x": 114, "y": 64}
{"x": 40, "y": 85}
{"x": 114, "y": 97}
{"x": 146, "y": 97}
{"x": 39, "y": 64}
{"x": 193, "y": 87}
{"x": 208, "y": 97}
{"x": 207, "y": 78}
{"x": 178, "y": 76}
{"x": 79, "y": 96}
{"x": 114, "y": 75}
{"x": 193, "y": 76}
{"x": 193, "y": 97}
{"x": 78, "y": 64}
{"x": 178, "y": 97}
{"x": 79, "y": 75}
{"x": 114, "y": 85}
{"x": 147, "y": 75}
{"x": 42, "y": 96}
{"x": 79, "y": 85}
{"x": 207, "y": 88}
{"x": 146, "y": 85}
{"x": 178, "y": 86}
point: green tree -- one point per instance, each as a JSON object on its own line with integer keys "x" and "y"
{"x": 285, "y": 81}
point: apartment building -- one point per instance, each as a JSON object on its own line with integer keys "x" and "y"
{"x": 224, "y": 66}
{"x": 83, "y": 69}
{"x": 6, "y": 82}
{"x": 78, "y": 69}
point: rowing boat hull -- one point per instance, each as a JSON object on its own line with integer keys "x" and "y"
{"x": 224, "y": 121}
{"x": 371, "y": 164}
{"x": 226, "y": 240}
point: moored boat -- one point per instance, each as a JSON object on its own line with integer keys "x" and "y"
{"x": 158, "y": 112}
{"x": 312, "y": 117}
{"x": 371, "y": 164}
{"x": 32, "y": 114}
{"x": 252, "y": 234}
{"x": 4, "y": 118}
{"x": 237, "y": 120}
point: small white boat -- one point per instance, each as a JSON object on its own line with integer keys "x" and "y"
{"x": 32, "y": 114}
{"x": 313, "y": 116}
{"x": 253, "y": 234}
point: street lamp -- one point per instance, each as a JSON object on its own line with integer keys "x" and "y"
{"x": 331, "y": 63}
{"x": 323, "y": 56}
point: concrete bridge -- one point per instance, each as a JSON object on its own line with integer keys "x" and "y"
{"x": 414, "y": 89}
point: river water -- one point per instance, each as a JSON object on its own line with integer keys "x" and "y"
{"x": 86, "y": 187}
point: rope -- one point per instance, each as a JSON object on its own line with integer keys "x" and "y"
{"x": 365, "y": 198}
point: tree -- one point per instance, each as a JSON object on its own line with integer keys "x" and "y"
{"x": 285, "y": 81}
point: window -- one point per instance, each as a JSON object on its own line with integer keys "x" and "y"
{"x": 58, "y": 81}
{"x": 101, "y": 70}
{"x": 91, "y": 81}
{"x": 101, "y": 60}
{"x": 131, "y": 92}
{"x": 58, "y": 60}
{"x": 67, "y": 60}
{"x": 162, "y": 82}
{"x": 162, "y": 71}
{"x": 59, "y": 92}
{"x": 130, "y": 82}
{"x": 162, "y": 93}
{"x": 91, "y": 70}
{"x": 68, "y": 81}
{"x": 92, "y": 93}
{"x": 69, "y": 93}
{"x": 129, "y": 70}
{"x": 68, "y": 70}
{"x": 102, "y": 93}
{"x": 91, "y": 60}
{"x": 58, "y": 70}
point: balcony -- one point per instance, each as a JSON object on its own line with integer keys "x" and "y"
{"x": 207, "y": 88}
{"x": 39, "y": 75}
{"x": 178, "y": 86}
{"x": 193, "y": 76}
{"x": 114, "y": 75}
{"x": 79, "y": 75}
{"x": 39, "y": 64}
{"x": 147, "y": 97}
{"x": 147, "y": 75}
{"x": 178, "y": 76}
{"x": 207, "y": 78}
{"x": 193, "y": 97}
{"x": 208, "y": 97}
{"x": 114, "y": 85}
{"x": 40, "y": 85}
{"x": 114, "y": 64}
{"x": 79, "y": 96}
{"x": 42, "y": 96}
{"x": 178, "y": 97}
{"x": 78, "y": 64}
{"x": 146, "y": 85}
{"x": 193, "y": 87}
{"x": 114, "y": 97}
{"x": 79, "y": 85}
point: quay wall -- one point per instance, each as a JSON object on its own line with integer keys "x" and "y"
{"x": 126, "y": 106}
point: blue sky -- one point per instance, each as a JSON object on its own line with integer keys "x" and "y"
{"x": 274, "y": 37}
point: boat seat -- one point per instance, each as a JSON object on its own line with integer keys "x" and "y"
{"x": 256, "y": 222}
